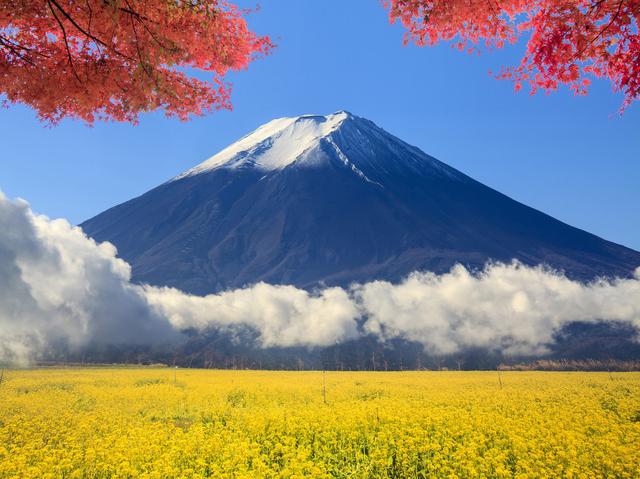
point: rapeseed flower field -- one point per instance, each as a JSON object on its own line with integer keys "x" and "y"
{"x": 165, "y": 423}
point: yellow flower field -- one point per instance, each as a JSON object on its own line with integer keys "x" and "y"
{"x": 146, "y": 423}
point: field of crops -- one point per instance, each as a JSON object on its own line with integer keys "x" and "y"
{"x": 165, "y": 423}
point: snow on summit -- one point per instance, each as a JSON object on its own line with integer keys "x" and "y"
{"x": 275, "y": 144}
{"x": 359, "y": 144}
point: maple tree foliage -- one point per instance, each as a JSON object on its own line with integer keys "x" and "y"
{"x": 568, "y": 40}
{"x": 113, "y": 59}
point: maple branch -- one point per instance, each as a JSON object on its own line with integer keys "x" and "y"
{"x": 73, "y": 22}
{"x": 11, "y": 42}
{"x": 602, "y": 30}
{"x": 12, "y": 45}
{"x": 491, "y": 7}
{"x": 132, "y": 12}
{"x": 145, "y": 65}
{"x": 595, "y": 6}
{"x": 66, "y": 42}
{"x": 84, "y": 32}
{"x": 15, "y": 51}
{"x": 142, "y": 63}
{"x": 98, "y": 47}
{"x": 141, "y": 19}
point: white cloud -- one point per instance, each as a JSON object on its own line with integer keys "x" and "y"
{"x": 58, "y": 286}
{"x": 513, "y": 308}
{"x": 282, "y": 315}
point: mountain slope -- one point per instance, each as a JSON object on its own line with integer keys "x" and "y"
{"x": 330, "y": 200}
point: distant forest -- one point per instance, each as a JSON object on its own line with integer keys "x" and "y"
{"x": 579, "y": 346}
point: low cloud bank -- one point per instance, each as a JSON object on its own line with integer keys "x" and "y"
{"x": 512, "y": 308}
{"x": 282, "y": 315}
{"x": 59, "y": 287}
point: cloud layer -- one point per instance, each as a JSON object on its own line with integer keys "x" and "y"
{"x": 512, "y": 308}
{"x": 59, "y": 287}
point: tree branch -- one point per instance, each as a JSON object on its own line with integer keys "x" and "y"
{"x": 66, "y": 42}
{"x": 602, "y": 30}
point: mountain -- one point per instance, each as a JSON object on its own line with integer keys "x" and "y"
{"x": 330, "y": 200}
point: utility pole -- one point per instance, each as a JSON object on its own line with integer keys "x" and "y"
{"x": 174, "y": 372}
{"x": 324, "y": 386}
{"x": 1, "y": 376}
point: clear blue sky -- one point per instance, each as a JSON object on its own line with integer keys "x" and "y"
{"x": 573, "y": 158}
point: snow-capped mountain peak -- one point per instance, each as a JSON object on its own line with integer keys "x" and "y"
{"x": 275, "y": 144}
{"x": 334, "y": 200}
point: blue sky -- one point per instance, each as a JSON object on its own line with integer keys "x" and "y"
{"x": 573, "y": 158}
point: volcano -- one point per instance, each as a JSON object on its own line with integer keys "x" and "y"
{"x": 330, "y": 200}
